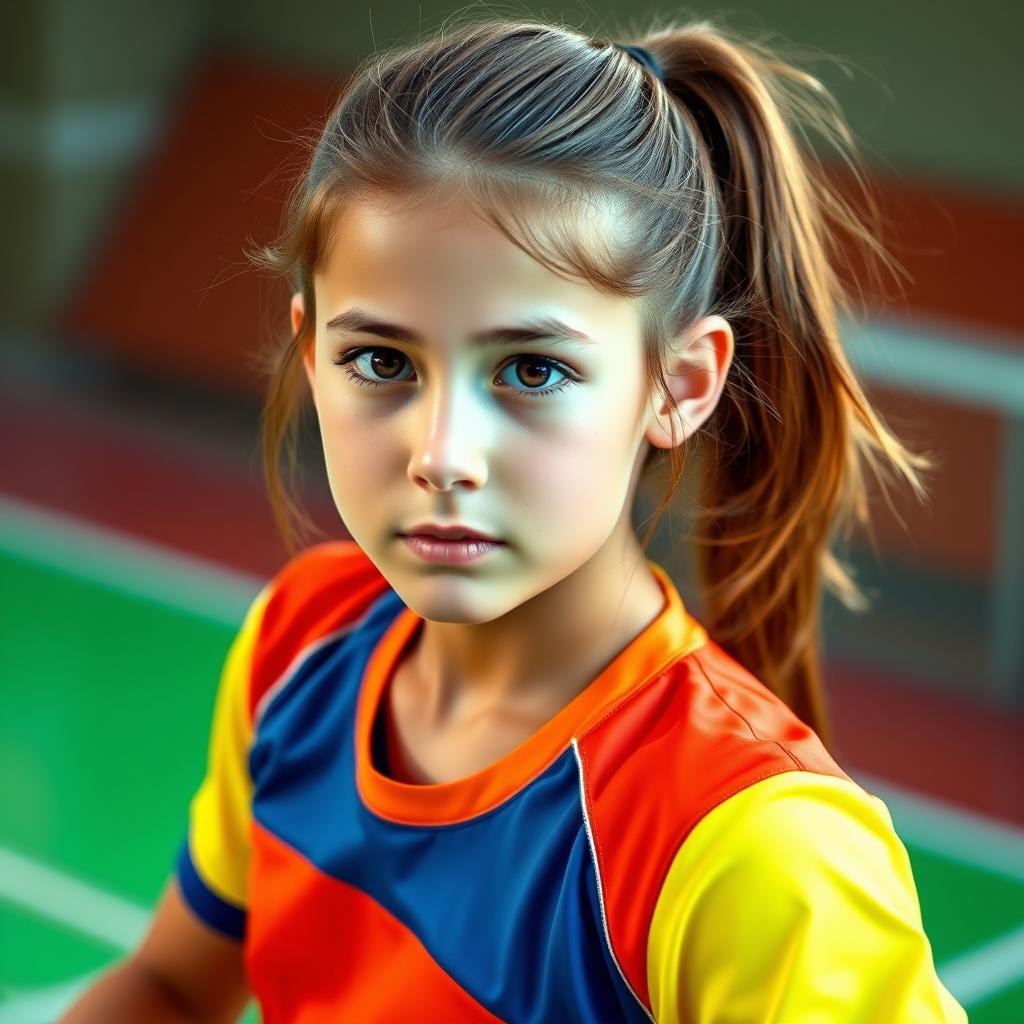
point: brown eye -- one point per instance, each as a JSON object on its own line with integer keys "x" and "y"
{"x": 383, "y": 363}
{"x": 536, "y": 374}
{"x": 534, "y": 371}
{"x": 386, "y": 362}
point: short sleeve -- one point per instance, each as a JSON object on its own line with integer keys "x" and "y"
{"x": 794, "y": 900}
{"x": 213, "y": 860}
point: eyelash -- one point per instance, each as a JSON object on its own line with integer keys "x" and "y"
{"x": 353, "y": 353}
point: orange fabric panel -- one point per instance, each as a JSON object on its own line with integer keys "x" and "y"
{"x": 319, "y": 951}
{"x": 705, "y": 729}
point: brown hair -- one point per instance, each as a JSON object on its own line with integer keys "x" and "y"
{"x": 712, "y": 208}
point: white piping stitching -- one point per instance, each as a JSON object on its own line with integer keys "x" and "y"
{"x": 600, "y": 888}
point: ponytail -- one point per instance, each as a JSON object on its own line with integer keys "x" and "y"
{"x": 793, "y": 429}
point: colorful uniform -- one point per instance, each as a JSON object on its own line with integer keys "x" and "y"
{"x": 674, "y": 845}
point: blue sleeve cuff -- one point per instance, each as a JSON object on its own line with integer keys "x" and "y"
{"x": 207, "y": 905}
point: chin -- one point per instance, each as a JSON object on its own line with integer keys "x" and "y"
{"x": 440, "y": 600}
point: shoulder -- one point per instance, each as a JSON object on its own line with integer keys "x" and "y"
{"x": 788, "y": 832}
{"x": 699, "y": 731}
{"x": 791, "y": 844}
{"x": 325, "y": 588}
{"x": 691, "y": 739}
{"x": 793, "y": 898}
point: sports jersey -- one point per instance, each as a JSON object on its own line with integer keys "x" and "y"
{"x": 674, "y": 845}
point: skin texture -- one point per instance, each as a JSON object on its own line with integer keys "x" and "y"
{"x": 453, "y": 435}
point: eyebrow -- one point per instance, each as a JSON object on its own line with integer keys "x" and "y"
{"x": 540, "y": 328}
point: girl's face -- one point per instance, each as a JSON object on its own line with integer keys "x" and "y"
{"x": 534, "y": 441}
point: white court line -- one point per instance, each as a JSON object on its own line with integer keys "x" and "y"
{"x": 975, "y": 840}
{"x": 958, "y": 363}
{"x": 188, "y": 584}
{"x": 145, "y": 570}
{"x": 74, "y": 903}
{"x": 949, "y": 830}
{"x": 43, "y": 1005}
{"x": 987, "y": 970}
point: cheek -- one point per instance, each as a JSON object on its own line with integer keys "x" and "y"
{"x": 573, "y": 478}
{"x": 352, "y": 449}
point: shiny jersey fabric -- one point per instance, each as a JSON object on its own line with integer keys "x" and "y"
{"x": 674, "y": 845}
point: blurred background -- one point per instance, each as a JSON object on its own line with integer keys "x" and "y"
{"x": 143, "y": 144}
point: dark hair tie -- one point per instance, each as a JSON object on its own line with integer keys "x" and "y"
{"x": 645, "y": 57}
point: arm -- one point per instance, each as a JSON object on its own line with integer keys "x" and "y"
{"x": 794, "y": 900}
{"x": 127, "y": 993}
{"x": 183, "y": 973}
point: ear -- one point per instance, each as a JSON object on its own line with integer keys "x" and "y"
{"x": 695, "y": 377}
{"x": 309, "y": 346}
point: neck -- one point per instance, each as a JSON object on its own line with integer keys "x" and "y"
{"x": 536, "y": 658}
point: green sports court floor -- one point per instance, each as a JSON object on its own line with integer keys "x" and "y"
{"x": 111, "y": 651}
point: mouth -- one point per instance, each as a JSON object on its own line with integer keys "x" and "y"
{"x": 449, "y": 550}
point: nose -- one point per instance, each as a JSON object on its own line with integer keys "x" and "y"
{"x": 450, "y": 435}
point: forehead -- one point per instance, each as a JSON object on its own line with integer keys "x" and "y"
{"x": 445, "y": 258}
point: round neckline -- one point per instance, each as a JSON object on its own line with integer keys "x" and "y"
{"x": 671, "y": 635}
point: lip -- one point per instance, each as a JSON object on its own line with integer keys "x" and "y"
{"x": 449, "y": 531}
{"x": 434, "y": 549}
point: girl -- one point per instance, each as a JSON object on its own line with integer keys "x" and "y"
{"x": 480, "y": 763}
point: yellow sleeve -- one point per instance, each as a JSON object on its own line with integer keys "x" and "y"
{"x": 213, "y": 860}
{"x": 793, "y": 900}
